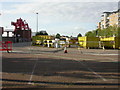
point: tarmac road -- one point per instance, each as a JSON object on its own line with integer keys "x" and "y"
{"x": 38, "y": 67}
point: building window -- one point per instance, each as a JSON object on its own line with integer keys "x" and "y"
{"x": 50, "y": 41}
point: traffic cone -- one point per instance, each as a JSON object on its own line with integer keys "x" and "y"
{"x": 65, "y": 50}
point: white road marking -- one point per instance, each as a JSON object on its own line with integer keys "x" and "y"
{"x": 74, "y": 60}
{"x": 92, "y": 71}
{"x": 83, "y": 65}
{"x": 33, "y": 71}
{"x": 103, "y": 54}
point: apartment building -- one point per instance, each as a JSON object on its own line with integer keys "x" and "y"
{"x": 109, "y": 19}
{"x": 113, "y": 19}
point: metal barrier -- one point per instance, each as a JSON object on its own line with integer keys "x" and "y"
{"x": 6, "y": 46}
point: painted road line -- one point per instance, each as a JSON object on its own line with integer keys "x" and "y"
{"x": 106, "y": 54}
{"x": 72, "y": 59}
{"x": 91, "y": 70}
{"x": 102, "y": 54}
{"x": 84, "y": 66}
{"x": 30, "y": 81}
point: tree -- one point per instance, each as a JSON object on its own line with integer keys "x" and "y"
{"x": 106, "y": 32}
{"x": 41, "y": 33}
{"x": 57, "y": 36}
{"x": 109, "y": 32}
{"x": 91, "y": 33}
{"x": 79, "y": 35}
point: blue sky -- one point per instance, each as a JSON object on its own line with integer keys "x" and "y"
{"x": 66, "y": 18}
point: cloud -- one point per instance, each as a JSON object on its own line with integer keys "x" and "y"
{"x": 75, "y": 11}
{"x": 79, "y": 28}
{"x": 57, "y": 15}
{"x": 59, "y": 0}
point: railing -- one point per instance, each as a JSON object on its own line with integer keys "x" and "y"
{"x": 6, "y": 46}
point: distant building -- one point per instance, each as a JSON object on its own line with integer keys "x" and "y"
{"x": 109, "y": 19}
{"x": 105, "y": 20}
{"x": 8, "y": 33}
{"x": 49, "y": 43}
{"x": 114, "y": 18}
{"x": 46, "y": 36}
{"x": 39, "y": 39}
{"x": 1, "y": 32}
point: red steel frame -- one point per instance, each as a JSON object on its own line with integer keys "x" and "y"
{"x": 5, "y": 46}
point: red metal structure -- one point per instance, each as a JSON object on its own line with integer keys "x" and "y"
{"x": 22, "y": 30}
{"x": 6, "y": 46}
{"x": 20, "y": 25}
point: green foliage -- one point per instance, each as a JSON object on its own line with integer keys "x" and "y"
{"x": 91, "y": 33}
{"x": 57, "y": 36}
{"x": 41, "y": 33}
{"x": 118, "y": 32}
{"x": 107, "y": 32}
{"x": 79, "y": 35}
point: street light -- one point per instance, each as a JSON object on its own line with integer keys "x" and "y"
{"x": 37, "y": 23}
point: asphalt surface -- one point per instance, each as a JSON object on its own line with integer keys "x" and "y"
{"x": 41, "y": 67}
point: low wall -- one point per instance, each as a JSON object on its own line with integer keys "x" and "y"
{"x": 8, "y": 39}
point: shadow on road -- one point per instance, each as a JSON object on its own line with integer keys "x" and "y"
{"x": 60, "y": 67}
{"x": 61, "y": 83}
{"x": 22, "y": 44}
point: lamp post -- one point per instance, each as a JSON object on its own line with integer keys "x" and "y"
{"x": 37, "y": 23}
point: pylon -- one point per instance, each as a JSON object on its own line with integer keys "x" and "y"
{"x": 65, "y": 50}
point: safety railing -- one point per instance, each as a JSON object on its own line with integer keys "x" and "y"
{"x": 6, "y": 46}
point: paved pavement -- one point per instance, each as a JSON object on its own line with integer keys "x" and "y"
{"x": 42, "y": 67}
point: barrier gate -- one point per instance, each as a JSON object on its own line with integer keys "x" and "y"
{"x": 6, "y": 46}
